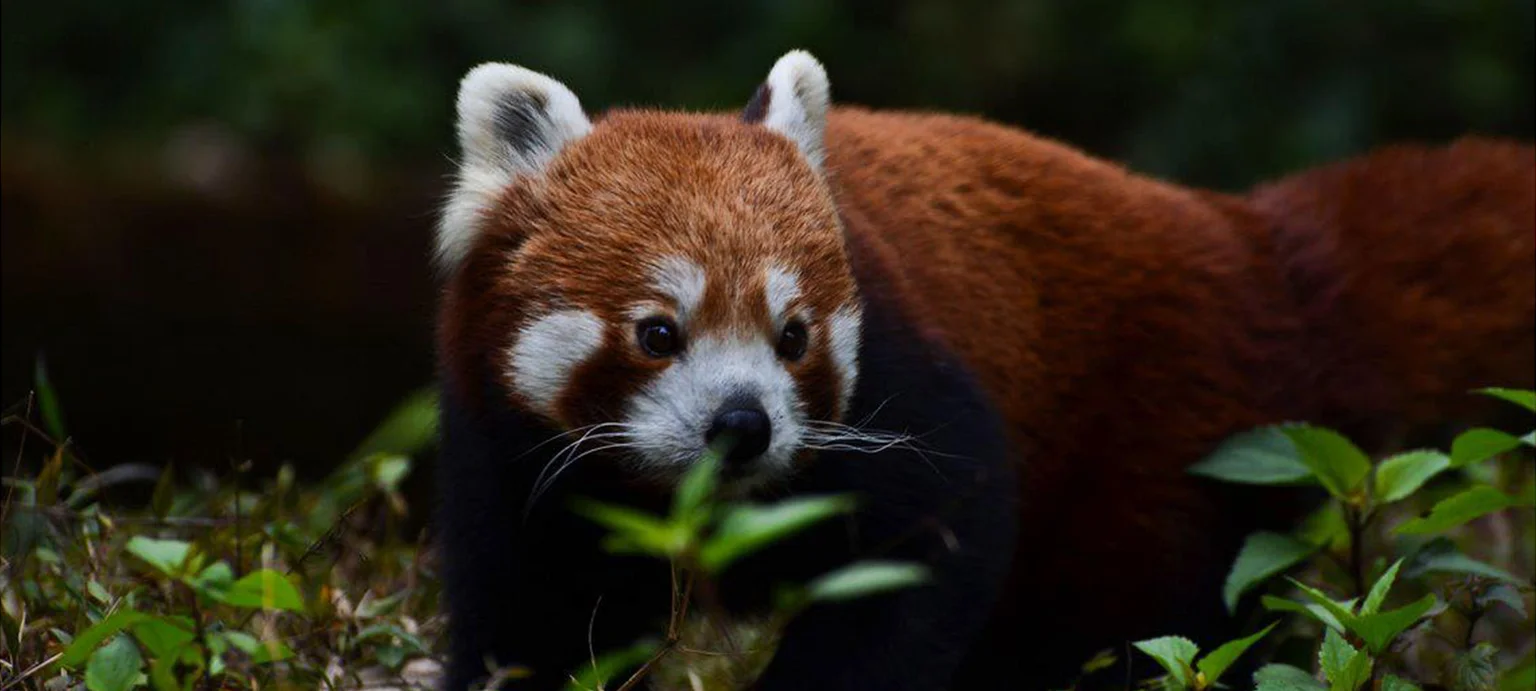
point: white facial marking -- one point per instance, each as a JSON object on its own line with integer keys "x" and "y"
{"x": 512, "y": 121}
{"x": 797, "y": 103}
{"x": 844, "y": 334}
{"x": 671, "y": 415}
{"x": 682, "y": 280}
{"x": 548, "y": 350}
{"x": 781, "y": 288}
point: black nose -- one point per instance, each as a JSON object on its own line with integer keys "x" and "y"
{"x": 748, "y": 430}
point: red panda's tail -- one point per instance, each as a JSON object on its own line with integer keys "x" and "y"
{"x": 1416, "y": 270}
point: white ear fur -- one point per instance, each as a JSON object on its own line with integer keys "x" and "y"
{"x": 512, "y": 122}
{"x": 798, "y": 97}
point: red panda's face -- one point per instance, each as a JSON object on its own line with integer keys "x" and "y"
{"x": 655, "y": 282}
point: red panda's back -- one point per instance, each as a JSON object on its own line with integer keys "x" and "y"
{"x": 1416, "y": 266}
{"x": 1122, "y": 325}
{"x": 1059, "y": 278}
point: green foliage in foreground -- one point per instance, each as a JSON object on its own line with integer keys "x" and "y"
{"x": 215, "y": 586}
{"x": 1393, "y": 530}
{"x": 700, "y": 538}
{"x": 1415, "y": 574}
{"x": 215, "y": 583}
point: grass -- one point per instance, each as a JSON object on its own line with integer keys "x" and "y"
{"x": 366, "y": 611}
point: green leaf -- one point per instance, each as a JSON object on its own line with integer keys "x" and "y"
{"x": 1325, "y": 527}
{"x": 595, "y": 675}
{"x": 217, "y": 646}
{"x": 1102, "y": 660}
{"x": 393, "y": 634}
{"x": 1342, "y": 613}
{"x": 864, "y": 578}
{"x": 214, "y": 581}
{"x": 695, "y": 489}
{"x": 388, "y": 470}
{"x": 1316, "y": 611}
{"x": 1335, "y": 655}
{"x": 1175, "y": 653}
{"x": 1285, "y": 678}
{"x": 1521, "y": 678}
{"x": 48, "y": 479}
{"x": 747, "y": 528}
{"x": 1264, "y": 456}
{"x": 1475, "y": 670}
{"x": 1264, "y": 555}
{"x": 637, "y": 530}
{"x": 1378, "y": 593}
{"x": 1460, "y": 508}
{"x": 164, "y": 636}
{"x": 86, "y": 641}
{"x": 1520, "y": 397}
{"x": 371, "y": 607}
{"x": 1337, "y": 463}
{"x": 1216, "y": 663}
{"x": 1355, "y": 674}
{"x": 1480, "y": 444}
{"x": 389, "y": 655}
{"x": 167, "y": 556}
{"x": 265, "y": 589}
{"x": 1505, "y": 594}
{"x": 1378, "y": 630}
{"x": 162, "y": 672}
{"x": 1441, "y": 556}
{"x": 115, "y": 667}
{"x": 260, "y": 652}
{"x": 1395, "y": 683}
{"x": 1402, "y": 475}
{"x": 408, "y": 429}
{"x": 48, "y": 401}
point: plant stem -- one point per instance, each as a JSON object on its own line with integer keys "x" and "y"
{"x": 1356, "y": 523}
{"x": 202, "y": 639}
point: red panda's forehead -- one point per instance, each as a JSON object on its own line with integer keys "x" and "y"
{"x": 644, "y": 194}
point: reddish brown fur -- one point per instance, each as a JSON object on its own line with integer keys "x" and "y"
{"x": 1122, "y": 325}
{"x": 643, "y": 186}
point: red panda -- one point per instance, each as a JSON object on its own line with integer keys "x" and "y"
{"x": 1010, "y": 350}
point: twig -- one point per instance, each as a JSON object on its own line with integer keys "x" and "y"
{"x": 34, "y": 669}
{"x": 197, "y": 621}
{"x": 646, "y": 668}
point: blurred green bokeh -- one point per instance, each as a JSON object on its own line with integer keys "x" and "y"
{"x": 216, "y": 215}
{"x": 1213, "y": 92}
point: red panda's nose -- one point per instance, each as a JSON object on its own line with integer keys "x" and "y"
{"x": 746, "y": 430}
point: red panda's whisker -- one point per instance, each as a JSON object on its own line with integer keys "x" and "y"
{"x": 542, "y": 483}
{"x": 540, "y": 490}
{"x": 570, "y": 432}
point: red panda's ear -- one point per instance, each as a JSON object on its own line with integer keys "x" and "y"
{"x": 512, "y": 122}
{"x": 794, "y": 102}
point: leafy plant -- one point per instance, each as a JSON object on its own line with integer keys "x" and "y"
{"x": 210, "y": 585}
{"x": 1374, "y": 516}
{"x": 1177, "y": 657}
{"x": 701, "y": 538}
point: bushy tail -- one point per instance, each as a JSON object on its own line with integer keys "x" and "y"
{"x": 1415, "y": 268}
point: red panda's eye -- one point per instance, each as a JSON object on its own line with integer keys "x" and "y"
{"x": 792, "y": 341}
{"x": 659, "y": 337}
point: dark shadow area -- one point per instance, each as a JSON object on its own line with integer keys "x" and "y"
{"x": 216, "y": 216}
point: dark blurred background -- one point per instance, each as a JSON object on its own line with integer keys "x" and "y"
{"x": 216, "y": 215}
